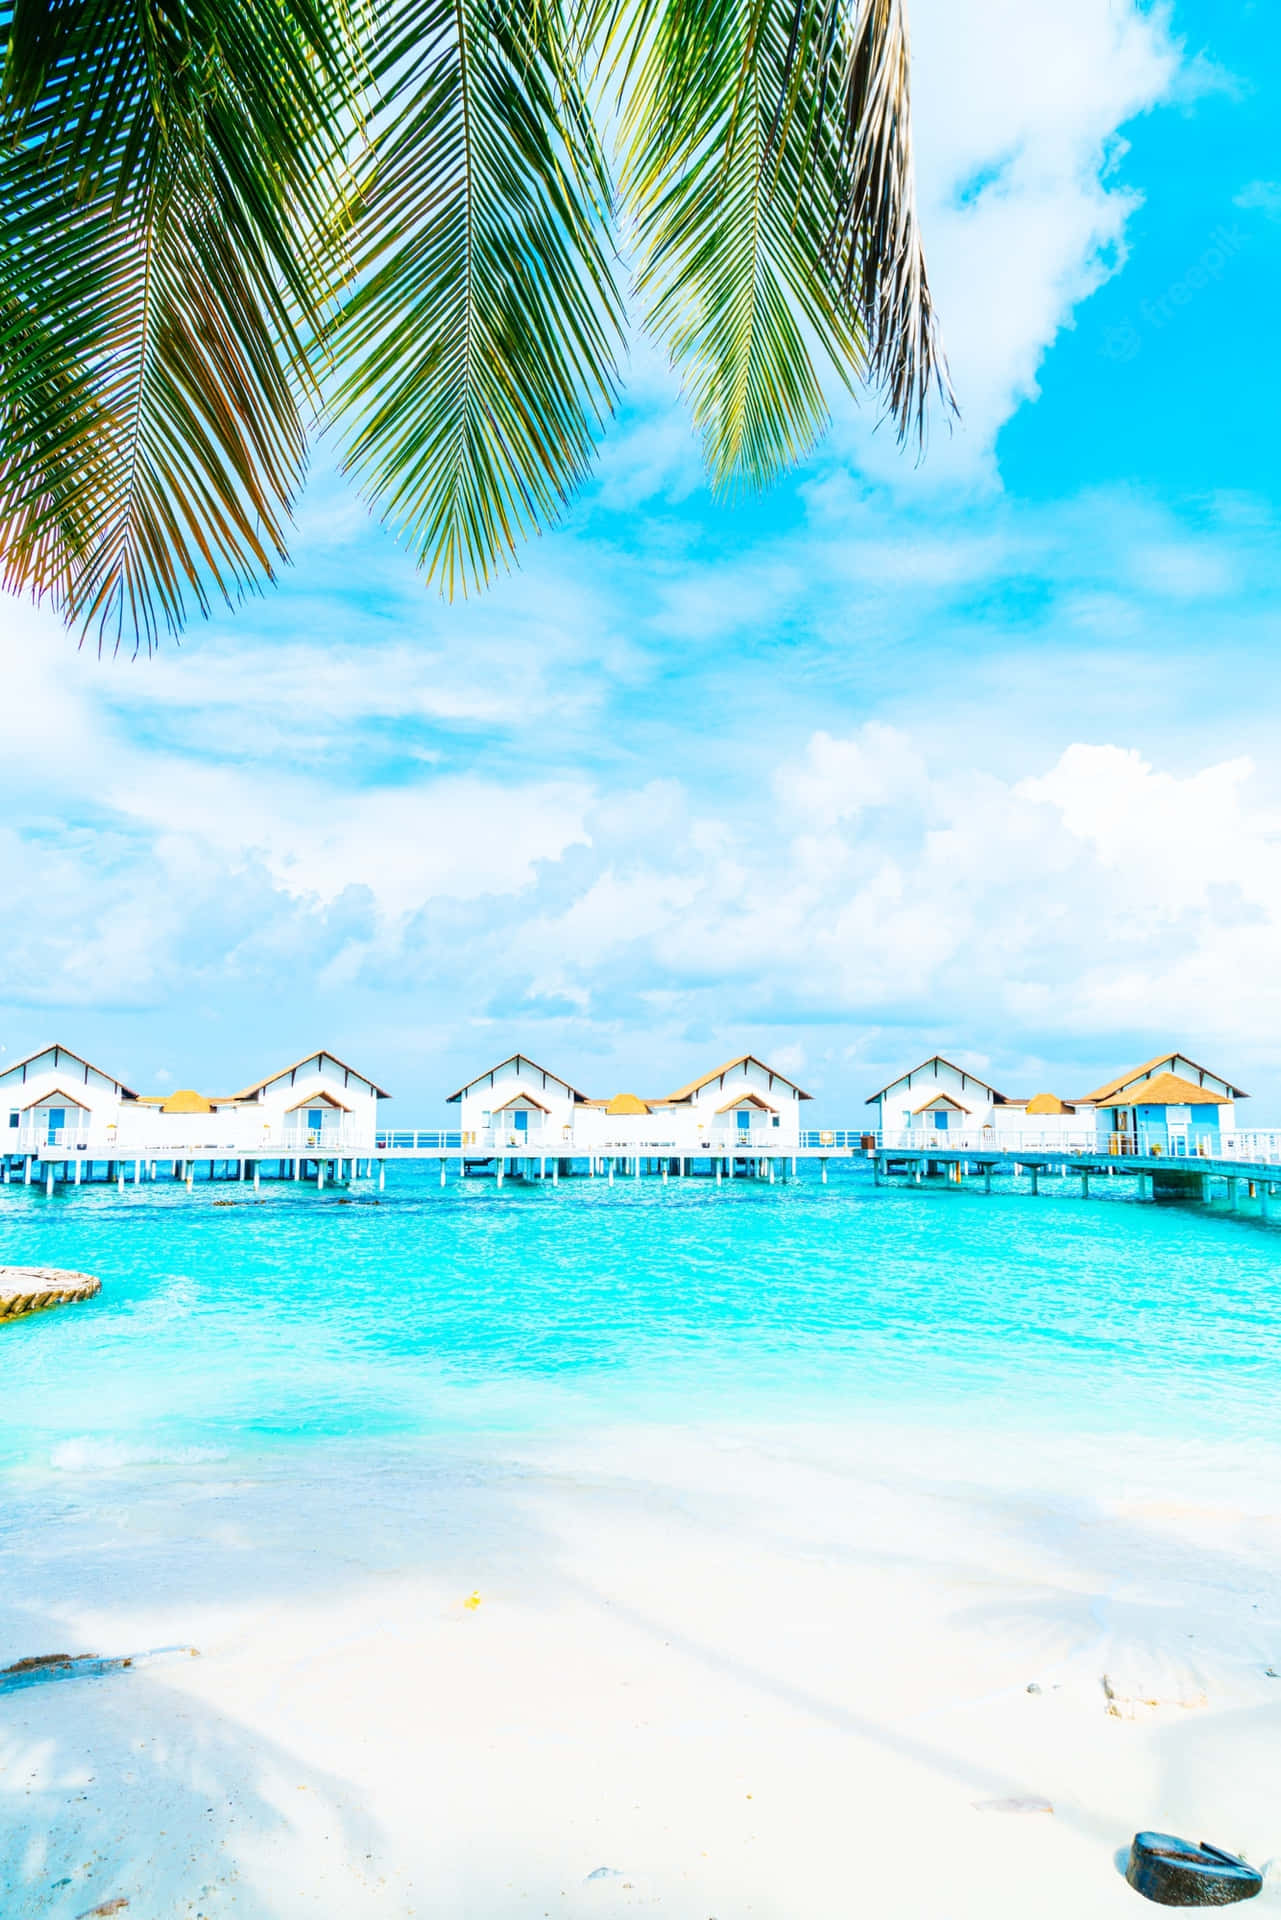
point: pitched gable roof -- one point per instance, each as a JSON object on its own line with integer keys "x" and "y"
{"x": 54, "y": 1093}
{"x": 940, "y": 1103}
{"x": 60, "y": 1054}
{"x": 518, "y": 1060}
{"x": 1103, "y": 1096}
{"x": 688, "y": 1091}
{"x": 522, "y": 1102}
{"x": 937, "y": 1060}
{"x": 749, "y": 1098}
{"x": 247, "y": 1093}
{"x": 1172, "y": 1090}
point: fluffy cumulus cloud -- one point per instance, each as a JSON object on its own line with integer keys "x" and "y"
{"x": 1022, "y": 196}
{"x": 865, "y": 895}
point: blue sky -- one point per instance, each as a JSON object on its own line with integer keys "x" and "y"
{"x": 976, "y": 755}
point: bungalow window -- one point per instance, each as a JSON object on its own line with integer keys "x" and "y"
{"x": 776, "y": 1121}
{"x": 15, "y": 1119}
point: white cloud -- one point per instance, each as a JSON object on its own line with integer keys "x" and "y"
{"x": 1017, "y": 110}
{"x": 883, "y": 881}
{"x": 1103, "y": 896}
{"x": 1260, "y": 196}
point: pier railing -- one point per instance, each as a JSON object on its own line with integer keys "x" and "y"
{"x": 552, "y": 1144}
{"x": 210, "y": 1143}
{"x": 420, "y": 1140}
{"x": 1251, "y": 1144}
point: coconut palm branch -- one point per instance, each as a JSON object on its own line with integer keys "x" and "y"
{"x": 164, "y": 174}
{"x": 481, "y": 336}
{"x": 221, "y": 215}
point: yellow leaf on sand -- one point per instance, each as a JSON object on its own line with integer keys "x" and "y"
{"x": 472, "y": 1602}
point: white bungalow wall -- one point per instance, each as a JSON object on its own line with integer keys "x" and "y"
{"x": 547, "y": 1103}
{"x": 976, "y": 1113}
{"x": 775, "y": 1129}
{"x": 283, "y": 1109}
{"x": 897, "y": 1107}
{"x": 32, "y": 1089}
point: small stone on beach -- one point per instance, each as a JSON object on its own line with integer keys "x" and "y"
{"x": 605, "y": 1873}
{"x": 1032, "y": 1687}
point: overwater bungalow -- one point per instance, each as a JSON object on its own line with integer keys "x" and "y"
{"x": 56, "y": 1098}
{"x": 743, "y": 1105}
{"x": 1169, "y": 1105}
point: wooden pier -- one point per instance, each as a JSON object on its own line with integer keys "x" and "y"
{"x": 1159, "y": 1177}
{"x": 58, "y": 1168}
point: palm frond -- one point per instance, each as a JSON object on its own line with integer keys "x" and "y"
{"x": 165, "y": 172}
{"x": 768, "y": 165}
{"x": 874, "y": 245}
{"x": 482, "y": 329}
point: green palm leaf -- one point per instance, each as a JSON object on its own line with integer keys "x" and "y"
{"x": 164, "y": 173}
{"x": 480, "y": 338}
{"x": 213, "y": 212}
{"x": 768, "y": 164}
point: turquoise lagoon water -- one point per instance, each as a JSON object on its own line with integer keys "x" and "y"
{"x": 325, "y": 1317}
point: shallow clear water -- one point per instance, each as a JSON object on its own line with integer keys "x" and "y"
{"x": 321, "y": 1316}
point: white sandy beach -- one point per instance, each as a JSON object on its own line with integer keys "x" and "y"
{"x": 773, "y": 1673}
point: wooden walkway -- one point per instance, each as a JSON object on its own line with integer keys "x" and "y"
{"x": 1160, "y": 1178}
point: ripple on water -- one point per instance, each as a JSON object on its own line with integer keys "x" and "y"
{"x": 463, "y": 1309}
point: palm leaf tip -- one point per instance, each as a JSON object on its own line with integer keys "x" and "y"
{"x": 768, "y": 162}
{"x": 874, "y": 243}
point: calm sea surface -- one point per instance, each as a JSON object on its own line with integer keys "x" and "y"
{"x": 326, "y": 1316}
